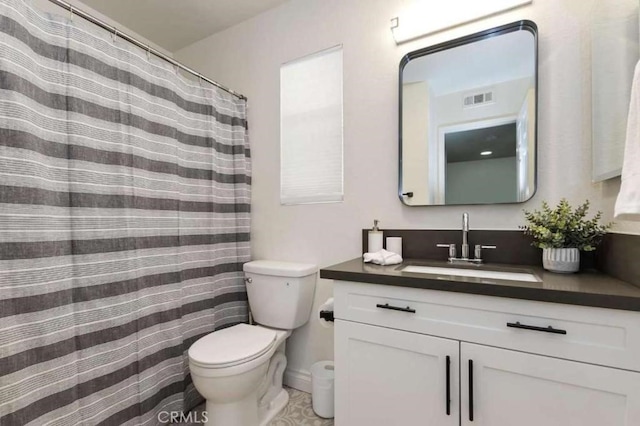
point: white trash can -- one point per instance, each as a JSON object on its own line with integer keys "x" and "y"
{"x": 322, "y": 388}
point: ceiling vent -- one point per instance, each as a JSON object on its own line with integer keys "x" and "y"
{"x": 478, "y": 99}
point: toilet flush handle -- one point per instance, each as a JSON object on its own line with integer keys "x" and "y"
{"x": 248, "y": 280}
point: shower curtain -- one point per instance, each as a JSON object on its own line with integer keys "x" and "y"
{"x": 124, "y": 223}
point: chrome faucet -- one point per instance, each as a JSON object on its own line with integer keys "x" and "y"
{"x": 464, "y": 258}
{"x": 465, "y": 236}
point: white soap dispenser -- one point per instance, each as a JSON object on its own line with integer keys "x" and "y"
{"x": 375, "y": 238}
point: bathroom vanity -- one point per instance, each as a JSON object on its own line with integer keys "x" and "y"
{"x": 444, "y": 349}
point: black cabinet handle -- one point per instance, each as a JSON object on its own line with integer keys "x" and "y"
{"x": 534, "y": 328}
{"x": 396, "y": 308}
{"x": 470, "y": 390}
{"x": 448, "y": 385}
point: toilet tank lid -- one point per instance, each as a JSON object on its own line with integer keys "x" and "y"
{"x": 280, "y": 269}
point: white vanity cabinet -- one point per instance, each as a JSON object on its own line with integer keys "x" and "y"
{"x": 408, "y": 356}
{"x": 392, "y": 377}
{"x": 516, "y": 388}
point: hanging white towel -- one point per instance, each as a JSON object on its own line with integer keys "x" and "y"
{"x": 628, "y": 202}
{"x": 382, "y": 257}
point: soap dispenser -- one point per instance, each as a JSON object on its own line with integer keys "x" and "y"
{"x": 375, "y": 238}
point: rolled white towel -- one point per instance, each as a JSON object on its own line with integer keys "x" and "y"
{"x": 382, "y": 257}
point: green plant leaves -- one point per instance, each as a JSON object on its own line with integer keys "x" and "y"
{"x": 564, "y": 227}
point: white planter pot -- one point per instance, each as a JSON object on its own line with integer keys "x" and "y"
{"x": 563, "y": 260}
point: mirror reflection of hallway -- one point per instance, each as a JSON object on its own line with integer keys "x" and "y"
{"x": 481, "y": 165}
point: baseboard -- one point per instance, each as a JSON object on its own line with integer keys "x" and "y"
{"x": 298, "y": 379}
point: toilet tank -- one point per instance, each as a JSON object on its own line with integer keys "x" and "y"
{"x": 280, "y": 293}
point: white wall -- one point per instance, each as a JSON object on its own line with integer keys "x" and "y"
{"x": 508, "y": 98}
{"x": 247, "y": 57}
{"x": 415, "y": 142}
{"x": 47, "y": 6}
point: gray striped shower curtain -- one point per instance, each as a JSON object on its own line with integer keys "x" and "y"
{"x": 124, "y": 223}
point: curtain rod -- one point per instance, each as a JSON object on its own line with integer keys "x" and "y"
{"x": 140, "y": 44}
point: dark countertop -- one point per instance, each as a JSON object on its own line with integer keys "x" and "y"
{"x": 590, "y": 288}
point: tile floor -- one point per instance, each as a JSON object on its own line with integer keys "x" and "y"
{"x": 298, "y": 412}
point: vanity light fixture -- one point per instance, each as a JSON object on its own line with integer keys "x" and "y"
{"x": 421, "y": 17}
{"x": 486, "y": 153}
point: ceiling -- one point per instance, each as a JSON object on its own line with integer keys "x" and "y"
{"x": 173, "y": 24}
{"x": 467, "y": 145}
{"x": 483, "y": 63}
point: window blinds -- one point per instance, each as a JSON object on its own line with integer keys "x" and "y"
{"x": 311, "y": 166}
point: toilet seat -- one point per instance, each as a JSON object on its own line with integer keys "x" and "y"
{"x": 232, "y": 346}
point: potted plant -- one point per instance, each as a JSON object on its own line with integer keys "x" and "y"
{"x": 562, "y": 232}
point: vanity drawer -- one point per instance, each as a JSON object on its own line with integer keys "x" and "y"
{"x": 595, "y": 335}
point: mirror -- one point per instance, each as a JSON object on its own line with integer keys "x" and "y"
{"x": 468, "y": 112}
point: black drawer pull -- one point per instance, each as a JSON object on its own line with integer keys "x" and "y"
{"x": 470, "y": 390}
{"x": 534, "y": 328}
{"x": 448, "y": 388}
{"x": 396, "y": 308}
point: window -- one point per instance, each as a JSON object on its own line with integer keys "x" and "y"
{"x": 311, "y": 169}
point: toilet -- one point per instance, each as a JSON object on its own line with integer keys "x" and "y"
{"x": 239, "y": 370}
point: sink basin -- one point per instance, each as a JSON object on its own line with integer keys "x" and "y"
{"x": 475, "y": 273}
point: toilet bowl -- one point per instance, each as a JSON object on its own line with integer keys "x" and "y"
{"x": 227, "y": 368}
{"x": 239, "y": 370}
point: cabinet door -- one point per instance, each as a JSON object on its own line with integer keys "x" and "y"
{"x": 504, "y": 388}
{"x": 389, "y": 377}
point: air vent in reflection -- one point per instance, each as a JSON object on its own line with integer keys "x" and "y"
{"x": 477, "y": 99}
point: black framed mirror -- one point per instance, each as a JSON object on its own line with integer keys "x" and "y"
{"x": 468, "y": 119}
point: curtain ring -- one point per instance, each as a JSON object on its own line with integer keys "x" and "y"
{"x": 148, "y": 52}
{"x": 114, "y": 36}
{"x": 70, "y": 13}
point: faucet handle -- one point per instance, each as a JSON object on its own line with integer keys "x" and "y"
{"x": 451, "y": 247}
{"x": 477, "y": 252}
